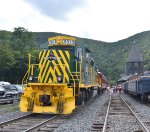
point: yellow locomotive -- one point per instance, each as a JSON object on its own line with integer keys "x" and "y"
{"x": 64, "y": 76}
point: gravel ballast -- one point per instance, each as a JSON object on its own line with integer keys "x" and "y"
{"x": 83, "y": 119}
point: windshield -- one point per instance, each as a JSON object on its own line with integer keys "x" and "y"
{"x": 9, "y": 87}
{"x": 17, "y": 86}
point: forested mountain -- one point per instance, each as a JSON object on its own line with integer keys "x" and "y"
{"x": 109, "y": 57}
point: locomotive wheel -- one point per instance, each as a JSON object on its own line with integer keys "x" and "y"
{"x": 79, "y": 99}
{"x": 138, "y": 97}
{"x": 145, "y": 98}
{"x": 85, "y": 95}
{"x": 98, "y": 91}
{"x": 90, "y": 93}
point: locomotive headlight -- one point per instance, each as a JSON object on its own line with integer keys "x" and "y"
{"x": 30, "y": 78}
{"x": 59, "y": 79}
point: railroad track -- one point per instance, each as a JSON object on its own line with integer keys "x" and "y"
{"x": 26, "y": 123}
{"x": 39, "y": 122}
{"x": 117, "y": 115}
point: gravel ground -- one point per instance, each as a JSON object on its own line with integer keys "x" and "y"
{"x": 117, "y": 125}
{"x": 123, "y": 121}
{"x": 82, "y": 121}
{"x": 12, "y": 115}
{"x": 142, "y": 110}
{"x": 9, "y": 111}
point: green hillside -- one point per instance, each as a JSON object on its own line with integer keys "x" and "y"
{"x": 110, "y": 58}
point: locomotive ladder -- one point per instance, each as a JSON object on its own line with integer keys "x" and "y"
{"x": 75, "y": 77}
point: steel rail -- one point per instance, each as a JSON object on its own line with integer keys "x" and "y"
{"x": 140, "y": 122}
{"x": 106, "y": 117}
{"x": 39, "y": 125}
{"x": 15, "y": 119}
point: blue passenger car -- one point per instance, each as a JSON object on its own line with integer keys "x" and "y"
{"x": 144, "y": 86}
{"x": 139, "y": 86}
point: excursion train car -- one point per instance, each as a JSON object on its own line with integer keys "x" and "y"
{"x": 63, "y": 77}
{"x": 138, "y": 85}
{"x": 104, "y": 81}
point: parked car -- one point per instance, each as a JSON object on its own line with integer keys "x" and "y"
{"x": 12, "y": 90}
{"x": 5, "y": 96}
{"x": 2, "y": 83}
{"x": 18, "y": 88}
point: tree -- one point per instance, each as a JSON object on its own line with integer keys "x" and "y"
{"x": 22, "y": 43}
{"x": 7, "y": 59}
{"x": 22, "y": 39}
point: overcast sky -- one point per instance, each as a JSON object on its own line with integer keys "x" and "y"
{"x": 105, "y": 20}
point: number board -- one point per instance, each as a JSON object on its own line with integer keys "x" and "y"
{"x": 52, "y": 42}
{"x": 61, "y": 40}
{"x": 67, "y": 41}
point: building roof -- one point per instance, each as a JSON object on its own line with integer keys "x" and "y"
{"x": 134, "y": 55}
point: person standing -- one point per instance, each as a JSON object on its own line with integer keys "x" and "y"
{"x": 119, "y": 88}
{"x": 108, "y": 89}
{"x": 111, "y": 91}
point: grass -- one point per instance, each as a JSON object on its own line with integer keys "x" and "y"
{"x": 7, "y": 108}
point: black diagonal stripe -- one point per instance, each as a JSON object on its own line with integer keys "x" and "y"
{"x": 41, "y": 64}
{"x": 67, "y": 59}
{"x": 46, "y": 68}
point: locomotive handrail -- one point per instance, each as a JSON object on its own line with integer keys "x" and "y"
{"x": 81, "y": 68}
{"x": 71, "y": 73}
{"x": 28, "y": 71}
{"x": 25, "y": 77}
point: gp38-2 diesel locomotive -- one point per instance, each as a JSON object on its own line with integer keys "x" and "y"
{"x": 63, "y": 77}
